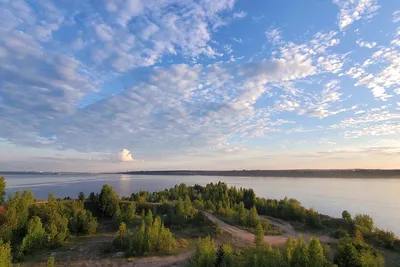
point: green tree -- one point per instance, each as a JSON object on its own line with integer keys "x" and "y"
{"x": 138, "y": 240}
{"x": 259, "y": 236}
{"x": 81, "y": 196}
{"x": 300, "y": 255}
{"x": 81, "y": 220}
{"x": 165, "y": 239}
{"x": 152, "y": 237}
{"x": 148, "y": 219}
{"x": 364, "y": 223}
{"x": 16, "y": 215}
{"x": 241, "y": 213}
{"x": 35, "y": 238}
{"x": 370, "y": 260}
{"x": 189, "y": 210}
{"x": 316, "y": 256}
{"x": 51, "y": 262}
{"x": 2, "y": 190}
{"x": 289, "y": 248}
{"x": 225, "y": 256}
{"x": 108, "y": 201}
{"x": 252, "y": 217}
{"x": 180, "y": 211}
{"x": 205, "y": 254}
{"x": 129, "y": 213}
{"x": 122, "y": 239}
{"x": 209, "y": 206}
{"x": 5, "y": 254}
{"x": 346, "y": 254}
{"x": 313, "y": 218}
{"x": 387, "y": 237}
{"x": 346, "y": 216}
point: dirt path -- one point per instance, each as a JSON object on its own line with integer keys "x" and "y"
{"x": 272, "y": 240}
{"x": 174, "y": 260}
{"x": 289, "y": 231}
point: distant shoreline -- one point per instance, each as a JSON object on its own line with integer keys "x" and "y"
{"x": 344, "y": 173}
{"x": 281, "y": 173}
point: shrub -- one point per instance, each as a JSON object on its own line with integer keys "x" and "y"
{"x": 122, "y": 240}
{"x": 51, "y": 262}
{"x": 387, "y": 237}
{"x": 339, "y": 233}
{"x": 364, "y": 223}
{"x": 5, "y": 254}
{"x": 205, "y": 254}
{"x": 35, "y": 238}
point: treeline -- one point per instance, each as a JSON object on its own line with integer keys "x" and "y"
{"x": 295, "y": 253}
{"x": 244, "y": 206}
{"x": 233, "y": 202}
{"x": 362, "y": 227}
{"x": 27, "y": 226}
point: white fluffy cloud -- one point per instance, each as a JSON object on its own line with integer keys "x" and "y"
{"x": 366, "y": 44}
{"x": 125, "y": 155}
{"x": 353, "y": 10}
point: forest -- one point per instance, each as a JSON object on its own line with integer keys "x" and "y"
{"x": 153, "y": 223}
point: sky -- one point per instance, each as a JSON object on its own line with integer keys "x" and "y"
{"x": 115, "y": 85}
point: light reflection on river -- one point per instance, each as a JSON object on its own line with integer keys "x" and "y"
{"x": 379, "y": 198}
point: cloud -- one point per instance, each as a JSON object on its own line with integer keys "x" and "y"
{"x": 239, "y": 15}
{"x": 351, "y": 11}
{"x": 237, "y": 40}
{"x": 396, "y": 16}
{"x": 150, "y": 75}
{"x": 173, "y": 113}
{"x": 125, "y": 155}
{"x": 366, "y": 44}
{"x": 273, "y": 35}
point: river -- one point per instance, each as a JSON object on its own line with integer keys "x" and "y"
{"x": 379, "y": 198}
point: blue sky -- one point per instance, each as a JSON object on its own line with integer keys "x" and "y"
{"x": 199, "y": 84}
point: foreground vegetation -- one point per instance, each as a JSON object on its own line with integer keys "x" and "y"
{"x": 152, "y": 224}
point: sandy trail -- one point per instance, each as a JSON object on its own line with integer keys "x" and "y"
{"x": 272, "y": 240}
{"x": 289, "y": 231}
{"x": 174, "y": 260}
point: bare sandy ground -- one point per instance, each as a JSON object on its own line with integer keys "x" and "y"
{"x": 273, "y": 240}
{"x": 289, "y": 231}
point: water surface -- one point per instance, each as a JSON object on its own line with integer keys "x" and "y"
{"x": 379, "y": 198}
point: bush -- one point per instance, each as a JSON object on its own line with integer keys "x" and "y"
{"x": 35, "y": 238}
{"x": 339, "y": 233}
{"x": 364, "y": 223}
{"x": 152, "y": 237}
{"x": 51, "y": 262}
{"x": 388, "y": 238}
{"x": 183, "y": 243}
{"x": 5, "y": 254}
{"x": 81, "y": 220}
{"x": 205, "y": 254}
{"x": 355, "y": 253}
{"x": 122, "y": 240}
{"x": 108, "y": 201}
